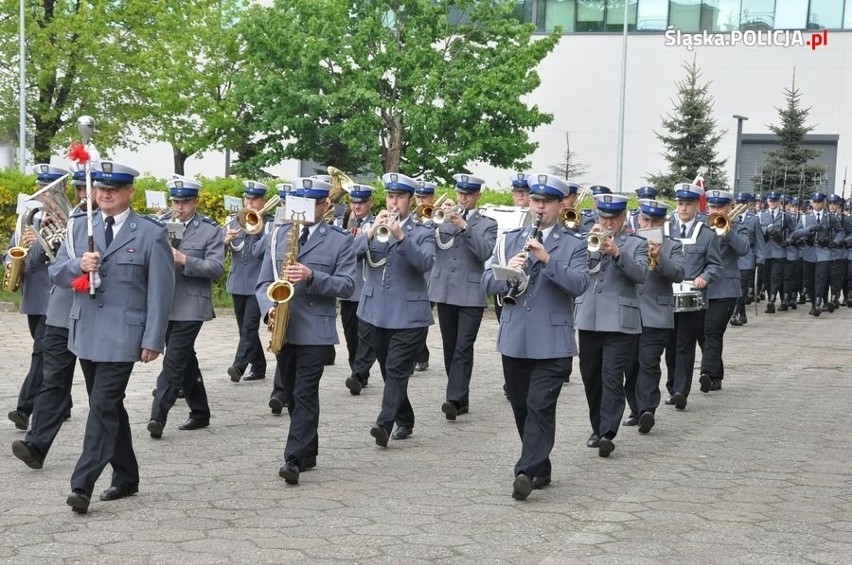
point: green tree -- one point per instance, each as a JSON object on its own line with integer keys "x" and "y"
{"x": 191, "y": 106}
{"x": 425, "y": 86}
{"x": 789, "y": 169}
{"x": 84, "y": 58}
{"x": 691, "y": 136}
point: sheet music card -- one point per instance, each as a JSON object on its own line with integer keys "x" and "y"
{"x": 155, "y": 200}
{"x": 301, "y": 209}
{"x": 233, "y": 204}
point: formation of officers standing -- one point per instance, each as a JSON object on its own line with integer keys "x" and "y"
{"x": 632, "y": 287}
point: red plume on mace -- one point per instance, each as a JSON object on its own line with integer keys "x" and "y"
{"x": 78, "y": 153}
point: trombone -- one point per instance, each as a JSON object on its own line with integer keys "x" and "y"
{"x": 721, "y": 223}
{"x": 427, "y": 211}
{"x": 251, "y": 221}
{"x": 571, "y": 217}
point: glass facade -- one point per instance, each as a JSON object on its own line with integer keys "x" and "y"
{"x": 602, "y": 16}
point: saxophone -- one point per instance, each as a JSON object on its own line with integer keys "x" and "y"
{"x": 13, "y": 275}
{"x": 281, "y": 291}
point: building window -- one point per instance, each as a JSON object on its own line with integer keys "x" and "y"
{"x": 758, "y": 14}
{"x": 847, "y": 19}
{"x": 720, "y": 15}
{"x": 826, "y": 14}
{"x": 791, "y": 15}
{"x": 554, "y": 13}
{"x": 653, "y": 15}
{"x": 615, "y": 15}
{"x": 590, "y": 15}
{"x": 523, "y": 10}
{"x": 685, "y": 15}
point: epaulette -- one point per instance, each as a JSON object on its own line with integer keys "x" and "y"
{"x": 338, "y": 229}
{"x": 566, "y": 231}
{"x": 210, "y": 221}
{"x": 513, "y": 230}
{"x": 79, "y": 215}
{"x": 150, "y": 219}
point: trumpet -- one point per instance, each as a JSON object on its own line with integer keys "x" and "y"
{"x": 721, "y": 223}
{"x": 595, "y": 240}
{"x": 440, "y": 215}
{"x": 427, "y": 211}
{"x": 383, "y": 232}
{"x": 252, "y": 220}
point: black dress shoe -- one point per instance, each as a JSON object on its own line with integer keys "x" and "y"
{"x": 736, "y": 321}
{"x": 155, "y": 428}
{"x": 402, "y": 432}
{"x": 793, "y": 305}
{"x": 194, "y": 424}
{"x": 632, "y": 420}
{"x": 78, "y": 501}
{"x": 421, "y": 366}
{"x": 235, "y": 374}
{"x": 290, "y": 473}
{"x": 606, "y": 447}
{"x": 770, "y": 308}
{"x": 669, "y": 400}
{"x": 522, "y": 487}
{"x": 354, "y": 386}
{"x": 593, "y": 441}
{"x": 181, "y": 393}
{"x": 116, "y": 493}
{"x": 783, "y": 307}
{"x": 276, "y": 405}
{"x": 380, "y": 434}
{"x": 28, "y": 454}
{"x": 704, "y": 381}
{"x": 716, "y": 385}
{"x": 646, "y": 422}
{"x": 540, "y": 482}
{"x": 679, "y": 400}
{"x": 21, "y": 420}
{"x": 449, "y": 409}
{"x": 255, "y": 377}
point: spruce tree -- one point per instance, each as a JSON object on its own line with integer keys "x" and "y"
{"x": 690, "y": 136}
{"x": 789, "y": 169}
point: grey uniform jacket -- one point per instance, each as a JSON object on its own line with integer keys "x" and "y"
{"x": 611, "y": 304}
{"x": 360, "y": 246}
{"x": 395, "y": 294}
{"x": 132, "y": 304}
{"x": 702, "y": 256}
{"x": 313, "y": 308}
{"x": 245, "y": 266}
{"x": 757, "y": 247}
{"x": 205, "y": 262}
{"x": 656, "y": 297}
{"x": 775, "y": 232}
{"x": 817, "y": 237}
{"x": 541, "y": 324}
{"x": 457, "y": 273}
{"x": 732, "y": 246}
{"x": 839, "y": 251}
{"x": 35, "y": 285}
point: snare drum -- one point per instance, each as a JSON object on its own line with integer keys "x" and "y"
{"x": 687, "y": 298}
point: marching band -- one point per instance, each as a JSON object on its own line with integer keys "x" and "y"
{"x": 619, "y": 290}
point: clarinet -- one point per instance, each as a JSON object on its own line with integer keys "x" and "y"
{"x": 517, "y": 289}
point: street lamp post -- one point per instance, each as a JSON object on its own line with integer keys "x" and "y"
{"x": 740, "y": 120}
{"x": 22, "y": 118}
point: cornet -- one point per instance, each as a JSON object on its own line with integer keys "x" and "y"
{"x": 383, "y": 232}
{"x": 440, "y": 215}
{"x": 594, "y": 241}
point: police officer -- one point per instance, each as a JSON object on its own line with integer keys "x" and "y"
{"x": 323, "y": 272}
{"x": 847, "y": 227}
{"x": 590, "y": 217}
{"x": 242, "y": 280}
{"x": 723, "y": 292}
{"x": 361, "y": 354}
{"x": 53, "y": 400}
{"x": 35, "y": 291}
{"x": 702, "y": 266}
{"x": 837, "y": 274}
{"x": 199, "y": 260}
{"x": 464, "y": 240}
{"x": 608, "y": 317}
{"x": 125, "y": 323}
{"x": 775, "y": 227}
{"x": 520, "y": 190}
{"x": 795, "y": 247}
{"x": 424, "y": 195}
{"x": 821, "y": 234}
{"x": 751, "y": 261}
{"x": 395, "y": 301}
{"x": 656, "y": 303}
{"x": 647, "y": 192}
{"x": 536, "y": 336}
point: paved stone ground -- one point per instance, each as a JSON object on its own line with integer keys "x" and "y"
{"x": 759, "y": 472}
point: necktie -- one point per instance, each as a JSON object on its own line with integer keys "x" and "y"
{"x": 818, "y": 218}
{"x": 359, "y": 222}
{"x": 303, "y": 239}
{"x": 683, "y": 230}
{"x": 464, "y": 215}
{"x": 773, "y": 215}
{"x": 108, "y": 234}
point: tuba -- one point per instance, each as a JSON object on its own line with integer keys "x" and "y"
{"x": 56, "y": 210}
{"x": 280, "y": 291}
{"x": 721, "y": 223}
{"x": 252, "y": 220}
{"x": 341, "y": 186}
